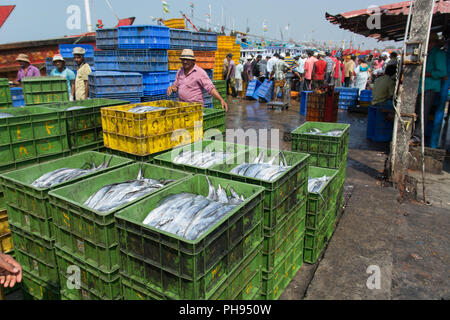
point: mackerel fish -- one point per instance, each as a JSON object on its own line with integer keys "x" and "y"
{"x": 4, "y": 115}
{"x": 331, "y": 133}
{"x": 115, "y": 195}
{"x": 58, "y": 176}
{"x": 259, "y": 169}
{"x": 190, "y": 215}
{"x": 200, "y": 159}
{"x": 144, "y": 109}
{"x": 316, "y": 184}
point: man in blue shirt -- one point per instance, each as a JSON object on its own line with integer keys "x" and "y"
{"x": 62, "y": 71}
{"x": 436, "y": 72}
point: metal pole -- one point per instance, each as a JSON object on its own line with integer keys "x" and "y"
{"x": 87, "y": 7}
{"x": 422, "y": 101}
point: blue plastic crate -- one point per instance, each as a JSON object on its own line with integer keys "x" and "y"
{"x": 107, "y": 39}
{"x": 172, "y": 76}
{"x": 378, "y": 128}
{"x": 365, "y": 93}
{"x": 180, "y": 39}
{"x": 304, "y": 102}
{"x": 204, "y": 41}
{"x": 252, "y": 89}
{"x": 209, "y": 106}
{"x": 110, "y": 82}
{"x": 143, "y": 60}
{"x": 133, "y": 98}
{"x": 265, "y": 91}
{"x": 144, "y": 37}
{"x": 106, "y": 60}
{"x": 66, "y": 50}
{"x": 16, "y": 93}
{"x": 155, "y": 83}
{"x": 155, "y": 98}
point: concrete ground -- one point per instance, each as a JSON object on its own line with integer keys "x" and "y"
{"x": 408, "y": 243}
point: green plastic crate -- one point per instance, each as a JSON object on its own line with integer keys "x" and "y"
{"x": 5, "y": 94}
{"x": 320, "y": 203}
{"x": 31, "y": 162}
{"x": 34, "y": 288}
{"x": 94, "y": 284}
{"x": 275, "y": 282}
{"x": 275, "y": 192}
{"x": 215, "y": 133}
{"x": 213, "y": 118}
{"x": 84, "y": 126}
{"x": 44, "y": 90}
{"x": 165, "y": 159}
{"x": 29, "y": 206}
{"x": 183, "y": 269}
{"x": 243, "y": 284}
{"x": 315, "y": 241}
{"x": 36, "y": 256}
{"x": 91, "y": 235}
{"x": 325, "y": 151}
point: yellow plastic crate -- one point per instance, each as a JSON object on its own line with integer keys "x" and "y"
{"x": 175, "y": 23}
{"x": 154, "y": 144}
{"x": 178, "y": 115}
{"x": 4, "y": 226}
{"x": 6, "y": 244}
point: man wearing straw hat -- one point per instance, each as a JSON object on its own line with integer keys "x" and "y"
{"x": 191, "y": 80}
{"x": 62, "y": 71}
{"x": 26, "y": 69}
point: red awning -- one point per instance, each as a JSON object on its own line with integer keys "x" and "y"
{"x": 5, "y": 11}
{"x": 393, "y": 20}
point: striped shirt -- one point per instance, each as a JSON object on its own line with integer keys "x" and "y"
{"x": 290, "y": 61}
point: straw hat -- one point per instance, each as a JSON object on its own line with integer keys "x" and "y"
{"x": 79, "y": 50}
{"x": 187, "y": 54}
{"x": 23, "y": 57}
{"x": 58, "y": 57}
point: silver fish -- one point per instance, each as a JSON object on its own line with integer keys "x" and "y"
{"x": 74, "y": 108}
{"x": 144, "y": 109}
{"x": 334, "y": 133}
{"x": 315, "y": 185}
{"x": 4, "y": 115}
{"x": 314, "y": 131}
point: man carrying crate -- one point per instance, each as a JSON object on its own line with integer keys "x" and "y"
{"x": 191, "y": 80}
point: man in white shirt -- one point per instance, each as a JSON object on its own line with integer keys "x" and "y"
{"x": 238, "y": 77}
{"x": 299, "y": 72}
{"x": 270, "y": 64}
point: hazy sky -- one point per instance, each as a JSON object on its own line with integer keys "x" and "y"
{"x": 45, "y": 19}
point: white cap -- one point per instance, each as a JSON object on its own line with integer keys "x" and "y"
{"x": 58, "y": 57}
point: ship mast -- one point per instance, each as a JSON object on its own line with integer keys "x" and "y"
{"x": 87, "y": 7}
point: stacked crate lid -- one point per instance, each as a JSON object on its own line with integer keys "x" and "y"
{"x": 5, "y": 94}
{"x": 204, "y": 41}
{"x": 144, "y": 37}
{"x": 265, "y": 91}
{"x": 365, "y": 99}
{"x": 66, "y": 50}
{"x": 348, "y": 97}
{"x": 17, "y": 97}
{"x": 31, "y": 220}
{"x": 41, "y": 90}
{"x": 97, "y": 252}
{"x": 107, "y": 39}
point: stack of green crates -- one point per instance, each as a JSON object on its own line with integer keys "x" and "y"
{"x": 33, "y": 134}
{"x": 213, "y": 119}
{"x": 84, "y": 126}
{"x": 320, "y": 213}
{"x": 5, "y": 94}
{"x": 88, "y": 238}
{"x": 31, "y": 221}
{"x": 223, "y": 263}
{"x": 284, "y": 216}
{"x": 221, "y": 86}
{"x": 326, "y": 152}
{"x": 42, "y": 90}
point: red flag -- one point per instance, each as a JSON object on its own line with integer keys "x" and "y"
{"x": 5, "y": 11}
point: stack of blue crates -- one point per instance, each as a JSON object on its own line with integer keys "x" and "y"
{"x": 265, "y": 91}
{"x": 66, "y": 50}
{"x": 172, "y": 77}
{"x": 118, "y": 85}
{"x": 348, "y": 97}
{"x": 106, "y": 60}
{"x": 143, "y": 60}
{"x": 252, "y": 89}
{"x": 17, "y": 97}
{"x": 180, "y": 39}
{"x": 304, "y": 102}
{"x": 204, "y": 41}
{"x": 107, "y": 39}
{"x": 379, "y": 129}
